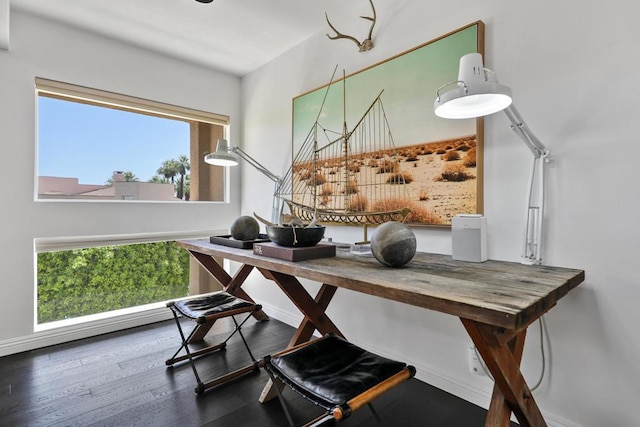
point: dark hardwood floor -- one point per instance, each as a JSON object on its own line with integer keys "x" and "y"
{"x": 120, "y": 379}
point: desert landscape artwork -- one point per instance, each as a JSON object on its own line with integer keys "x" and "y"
{"x": 367, "y": 147}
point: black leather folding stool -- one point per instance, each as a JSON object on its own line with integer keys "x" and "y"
{"x": 336, "y": 375}
{"x": 205, "y": 310}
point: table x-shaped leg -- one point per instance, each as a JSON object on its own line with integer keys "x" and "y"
{"x": 233, "y": 285}
{"x": 510, "y": 392}
{"x": 313, "y": 309}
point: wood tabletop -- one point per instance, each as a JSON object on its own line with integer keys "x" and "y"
{"x": 504, "y": 294}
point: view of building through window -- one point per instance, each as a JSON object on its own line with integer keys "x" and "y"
{"x": 103, "y": 146}
{"x": 98, "y": 153}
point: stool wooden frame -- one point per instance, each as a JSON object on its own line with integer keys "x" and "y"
{"x": 203, "y": 324}
{"x": 334, "y": 411}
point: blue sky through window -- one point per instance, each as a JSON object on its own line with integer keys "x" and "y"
{"x": 88, "y": 142}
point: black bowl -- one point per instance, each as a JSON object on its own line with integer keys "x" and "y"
{"x": 286, "y": 235}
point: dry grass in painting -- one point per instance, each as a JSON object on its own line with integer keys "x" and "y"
{"x": 352, "y": 187}
{"x": 455, "y": 173}
{"x": 388, "y": 166}
{"x": 439, "y": 179}
{"x": 357, "y": 203}
{"x": 326, "y": 190}
{"x": 469, "y": 160}
{"x": 400, "y": 178}
{"x": 451, "y": 155}
{"x": 317, "y": 179}
{"x": 419, "y": 214}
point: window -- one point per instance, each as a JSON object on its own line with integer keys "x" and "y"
{"x": 96, "y": 145}
{"x": 80, "y": 282}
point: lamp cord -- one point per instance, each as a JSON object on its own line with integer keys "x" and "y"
{"x": 543, "y": 330}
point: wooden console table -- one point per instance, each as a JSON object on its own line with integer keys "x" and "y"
{"x": 496, "y": 302}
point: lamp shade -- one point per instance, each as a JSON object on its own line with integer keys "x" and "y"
{"x": 222, "y": 156}
{"x": 476, "y": 93}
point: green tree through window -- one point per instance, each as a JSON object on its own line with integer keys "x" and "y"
{"x": 80, "y": 282}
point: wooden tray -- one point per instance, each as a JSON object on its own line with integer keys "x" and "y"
{"x": 227, "y": 240}
{"x": 286, "y": 253}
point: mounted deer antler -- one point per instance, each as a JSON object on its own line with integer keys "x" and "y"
{"x": 367, "y": 43}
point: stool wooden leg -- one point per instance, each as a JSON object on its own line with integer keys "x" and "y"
{"x": 199, "y": 335}
{"x": 278, "y": 393}
{"x": 320, "y": 421}
{"x": 185, "y": 346}
{"x": 254, "y": 366}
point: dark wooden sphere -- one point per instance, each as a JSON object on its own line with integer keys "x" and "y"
{"x": 245, "y": 228}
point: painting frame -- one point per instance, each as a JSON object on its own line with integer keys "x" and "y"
{"x": 409, "y": 82}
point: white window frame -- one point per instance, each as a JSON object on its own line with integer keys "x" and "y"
{"x": 54, "y": 244}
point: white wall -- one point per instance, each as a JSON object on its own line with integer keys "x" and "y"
{"x": 43, "y": 49}
{"x": 4, "y": 24}
{"x": 572, "y": 67}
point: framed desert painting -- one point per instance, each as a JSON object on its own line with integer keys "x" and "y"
{"x": 367, "y": 147}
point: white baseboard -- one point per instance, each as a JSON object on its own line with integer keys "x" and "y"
{"x": 291, "y": 319}
{"x": 50, "y": 337}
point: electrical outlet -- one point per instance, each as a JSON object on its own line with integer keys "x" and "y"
{"x": 475, "y": 365}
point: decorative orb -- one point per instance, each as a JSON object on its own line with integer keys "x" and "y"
{"x": 245, "y": 228}
{"x": 393, "y": 244}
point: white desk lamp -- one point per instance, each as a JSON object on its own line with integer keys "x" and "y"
{"x": 227, "y": 155}
{"x": 477, "y": 93}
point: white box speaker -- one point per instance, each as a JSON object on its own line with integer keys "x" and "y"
{"x": 469, "y": 237}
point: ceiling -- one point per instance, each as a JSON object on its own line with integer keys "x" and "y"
{"x": 234, "y": 36}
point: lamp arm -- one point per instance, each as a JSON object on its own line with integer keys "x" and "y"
{"x": 532, "y": 250}
{"x": 253, "y": 162}
{"x": 277, "y": 200}
{"x": 521, "y": 129}
{"x": 535, "y": 201}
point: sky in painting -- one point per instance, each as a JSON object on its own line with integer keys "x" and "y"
{"x": 409, "y": 83}
{"x": 83, "y": 141}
